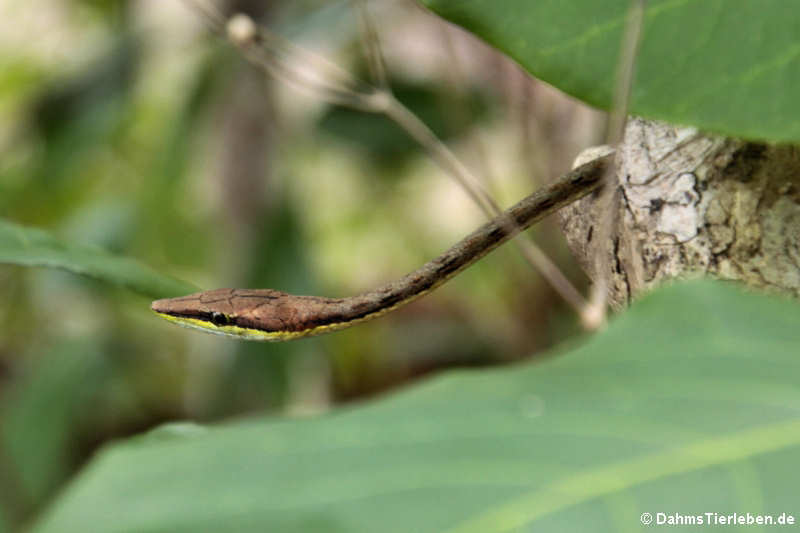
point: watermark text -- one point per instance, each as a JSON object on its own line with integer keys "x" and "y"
{"x": 717, "y": 519}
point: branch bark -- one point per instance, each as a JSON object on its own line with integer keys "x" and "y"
{"x": 688, "y": 204}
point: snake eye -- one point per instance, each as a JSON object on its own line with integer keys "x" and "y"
{"x": 219, "y": 319}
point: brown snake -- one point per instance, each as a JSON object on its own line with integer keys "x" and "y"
{"x": 270, "y": 315}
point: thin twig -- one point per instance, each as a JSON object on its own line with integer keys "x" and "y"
{"x": 372, "y": 47}
{"x": 474, "y": 187}
{"x": 273, "y": 54}
{"x": 531, "y": 253}
{"x": 447, "y": 160}
{"x": 614, "y": 136}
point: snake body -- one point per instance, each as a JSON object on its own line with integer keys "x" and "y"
{"x": 270, "y": 315}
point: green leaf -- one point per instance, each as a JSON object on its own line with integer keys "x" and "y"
{"x": 687, "y": 403}
{"x": 21, "y": 245}
{"x": 4, "y": 527}
{"x": 43, "y": 412}
{"x": 729, "y": 66}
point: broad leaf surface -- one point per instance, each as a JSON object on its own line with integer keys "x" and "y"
{"x": 687, "y": 403}
{"x": 44, "y": 410}
{"x": 21, "y": 245}
{"x": 729, "y": 66}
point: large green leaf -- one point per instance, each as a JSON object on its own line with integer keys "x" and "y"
{"x": 688, "y": 403}
{"x": 731, "y": 66}
{"x": 21, "y": 245}
{"x": 42, "y": 414}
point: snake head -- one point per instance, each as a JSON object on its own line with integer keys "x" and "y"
{"x": 254, "y": 314}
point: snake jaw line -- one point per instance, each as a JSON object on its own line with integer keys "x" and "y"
{"x": 226, "y": 331}
{"x": 257, "y": 334}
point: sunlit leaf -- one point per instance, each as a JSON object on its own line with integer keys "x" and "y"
{"x": 730, "y": 66}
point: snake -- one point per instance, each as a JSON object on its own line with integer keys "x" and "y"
{"x": 272, "y": 315}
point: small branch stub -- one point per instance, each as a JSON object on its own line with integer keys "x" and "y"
{"x": 241, "y": 29}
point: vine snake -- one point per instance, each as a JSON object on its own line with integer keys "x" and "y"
{"x": 270, "y": 315}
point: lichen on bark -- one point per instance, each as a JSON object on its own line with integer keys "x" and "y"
{"x": 687, "y": 204}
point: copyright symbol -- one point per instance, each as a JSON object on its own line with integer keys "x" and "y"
{"x": 646, "y": 519}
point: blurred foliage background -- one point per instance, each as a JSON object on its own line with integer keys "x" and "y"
{"x": 128, "y": 125}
